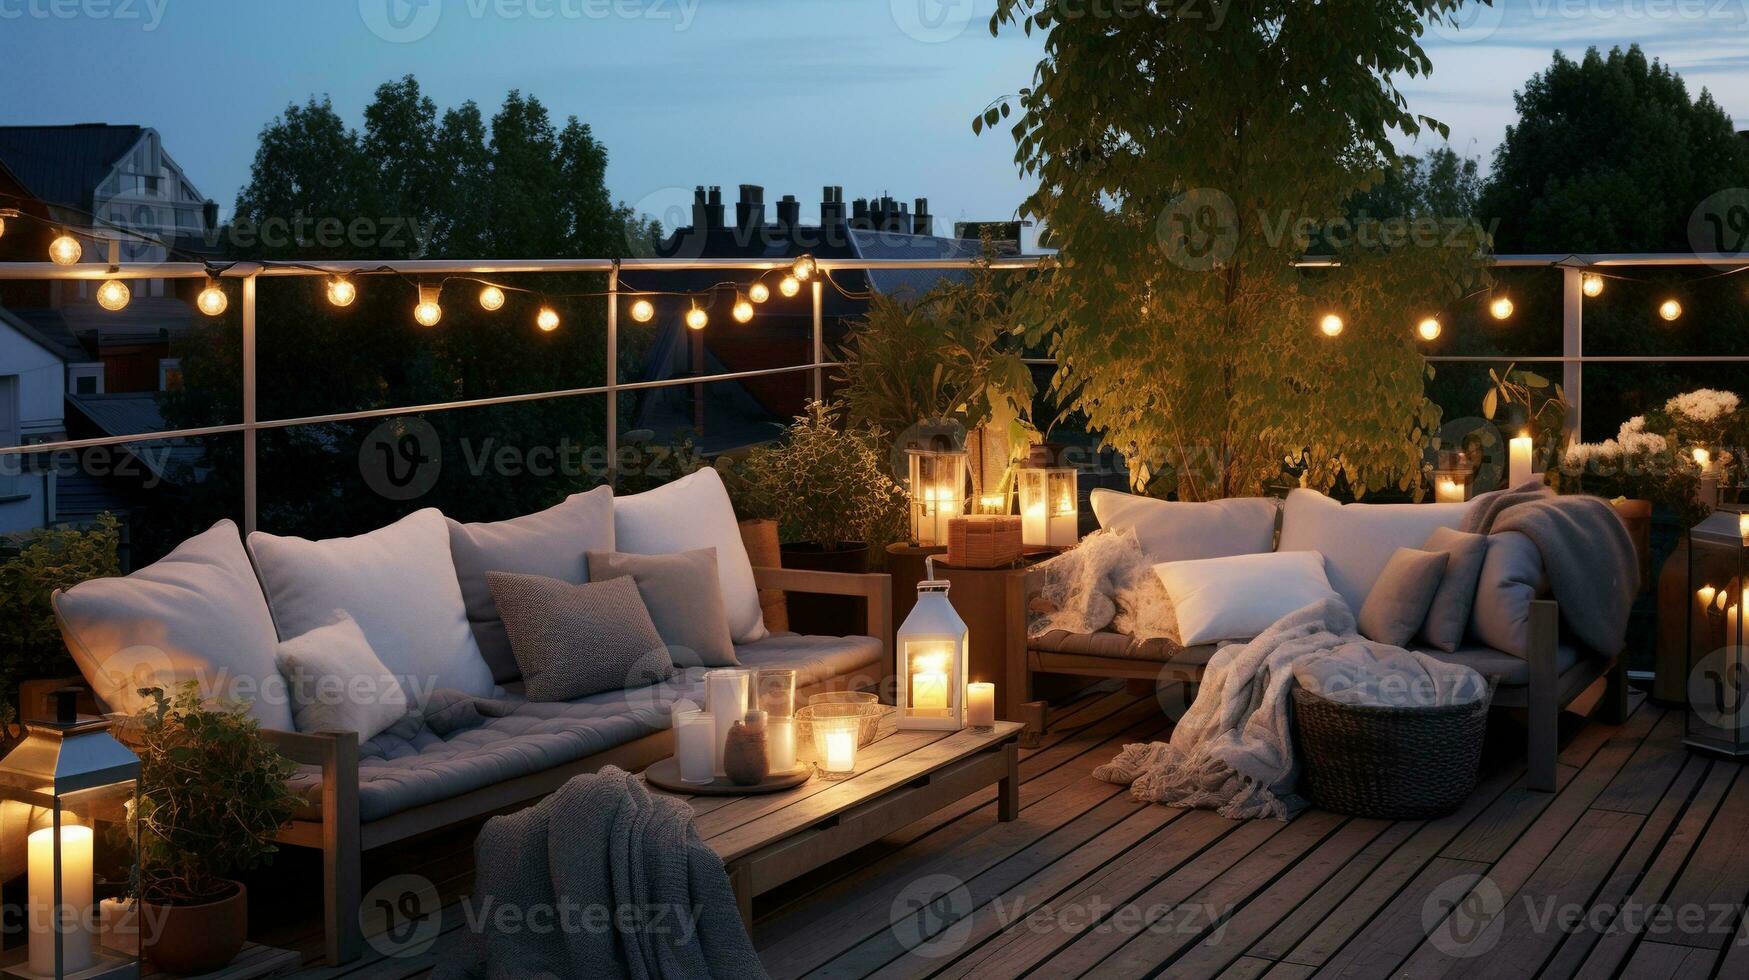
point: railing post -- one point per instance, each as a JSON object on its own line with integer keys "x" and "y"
{"x": 819, "y": 339}
{"x": 612, "y": 420}
{"x": 250, "y": 469}
{"x": 1573, "y": 345}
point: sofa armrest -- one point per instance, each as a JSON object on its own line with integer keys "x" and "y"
{"x": 876, "y": 589}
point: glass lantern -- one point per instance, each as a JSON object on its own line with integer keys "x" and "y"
{"x": 74, "y": 779}
{"x": 932, "y": 661}
{"x": 1050, "y": 514}
{"x": 938, "y": 492}
{"x": 1451, "y": 478}
{"x": 1718, "y": 678}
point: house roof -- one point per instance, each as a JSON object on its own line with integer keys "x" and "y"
{"x": 65, "y": 164}
{"x": 56, "y": 341}
{"x": 136, "y": 413}
{"x": 897, "y": 245}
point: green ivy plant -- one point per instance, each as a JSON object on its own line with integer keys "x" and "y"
{"x": 213, "y": 794}
{"x": 827, "y": 483}
{"x": 32, "y": 567}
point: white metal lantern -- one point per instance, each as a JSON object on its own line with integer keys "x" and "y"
{"x": 1050, "y": 513}
{"x": 932, "y": 661}
{"x": 72, "y": 776}
{"x": 938, "y": 492}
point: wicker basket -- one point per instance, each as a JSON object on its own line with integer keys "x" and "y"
{"x": 1385, "y": 762}
{"x": 984, "y": 541}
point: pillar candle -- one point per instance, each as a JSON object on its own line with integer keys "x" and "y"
{"x": 696, "y": 747}
{"x": 929, "y": 689}
{"x": 981, "y": 705}
{"x": 780, "y": 744}
{"x": 726, "y": 700}
{"x": 74, "y": 912}
{"x": 840, "y": 751}
{"x": 1447, "y": 491}
{"x": 1519, "y": 462}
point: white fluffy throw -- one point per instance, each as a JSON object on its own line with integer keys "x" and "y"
{"x": 1103, "y": 583}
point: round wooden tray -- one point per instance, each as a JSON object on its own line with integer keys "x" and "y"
{"x": 666, "y": 775}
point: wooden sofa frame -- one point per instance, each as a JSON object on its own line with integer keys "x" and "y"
{"x": 1543, "y": 697}
{"x": 342, "y": 839}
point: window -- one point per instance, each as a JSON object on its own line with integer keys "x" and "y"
{"x": 9, "y": 465}
{"x": 85, "y": 384}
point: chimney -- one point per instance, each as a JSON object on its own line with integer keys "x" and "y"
{"x": 789, "y": 212}
{"x": 831, "y": 207}
{"x": 699, "y": 216}
{"x": 859, "y": 216}
{"x": 921, "y": 221}
{"x": 750, "y": 212}
{"x": 210, "y": 211}
{"x": 713, "y": 212}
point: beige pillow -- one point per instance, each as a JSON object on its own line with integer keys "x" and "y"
{"x": 572, "y": 641}
{"x": 1397, "y": 605}
{"x": 1448, "y": 618}
{"x": 681, "y": 593}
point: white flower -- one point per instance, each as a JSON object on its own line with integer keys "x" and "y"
{"x": 1643, "y": 443}
{"x": 1702, "y": 405}
{"x": 1632, "y": 426}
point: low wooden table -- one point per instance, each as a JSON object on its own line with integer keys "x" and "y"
{"x": 767, "y": 840}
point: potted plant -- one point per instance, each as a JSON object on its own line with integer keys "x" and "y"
{"x": 213, "y": 795}
{"x": 1634, "y": 471}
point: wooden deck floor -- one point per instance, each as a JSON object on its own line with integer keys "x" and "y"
{"x": 1637, "y": 867}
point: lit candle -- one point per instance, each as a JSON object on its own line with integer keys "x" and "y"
{"x": 1035, "y": 523}
{"x": 1518, "y": 468}
{"x": 1448, "y": 491}
{"x": 780, "y": 744}
{"x": 71, "y": 917}
{"x": 981, "y": 704}
{"x": 1743, "y": 526}
{"x": 1703, "y": 458}
{"x": 929, "y": 683}
{"x": 696, "y": 747}
{"x": 840, "y": 750}
{"x": 1706, "y": 594}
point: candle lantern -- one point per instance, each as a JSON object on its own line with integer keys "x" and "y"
{"x": 1050, "y": 515}
{"x": 75, "y": 778}
{"x": 1718, "y": 676}
{"x": 1451, "y": 478}
{"x": 932, "y": 660}
{"x": 938, "y": 491}
{"x": 837, "y": 729}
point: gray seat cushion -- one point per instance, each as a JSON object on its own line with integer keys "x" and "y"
{"x": 1510, "y": 671}
{"x": 818, "y": 659}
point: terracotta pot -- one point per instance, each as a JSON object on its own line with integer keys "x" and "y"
{"x": 191, "y": 939}
{"x": 821, "y": 615}
{"x": 763, "y": 550}
{"x": 1637, "y": 515}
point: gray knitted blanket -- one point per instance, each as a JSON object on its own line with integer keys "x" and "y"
{"x": 601, "y": 879}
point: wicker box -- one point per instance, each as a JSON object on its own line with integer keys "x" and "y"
{"x": 987, "y": 541}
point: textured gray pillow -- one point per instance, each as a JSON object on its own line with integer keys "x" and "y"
{"x": 681, "y": 592}
{"x": 576, "y": 640}
{"x": 1397, "y": 604}
{"x": 550, "y": 543}
{"x": 1449, "y": 615}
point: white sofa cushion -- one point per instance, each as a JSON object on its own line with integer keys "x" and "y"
{"x": 398, "y": 583}
{"x": 338, "y": 683}
{"x": 1357, "y": 540}
{"x": 1184, "y": 531}
{"x": 1240, "y": 596}
{"x": 691, "y": 513}
{"x": 196, "y": 615}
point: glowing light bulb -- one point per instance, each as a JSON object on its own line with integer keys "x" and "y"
{"x": 212, "y": 300}
{"x": 1591, "y": 284}
{"x": 1501, "y": 308}
{"x": 429, "y": 311}
{"x": 1670, "y": 310}
{"x": 491, "y": 299}
{"x": 65, "y": 250}
{"x": 643, "y": 311}
{"x": 341, "y": 292}
{"x": 113, "y": 295}
{"x": 789, "y": 286}
{"x": 2, "y": 227}
{"x": 1428, "y": 329}
{"x": 743, "y": 311}
{"x": 1331, "y": 325}
{"x": 759, "y": 292}
{"x": 804, "y": 268}
{"x": 547, "y": 319}
{"x": 697, "y": 319}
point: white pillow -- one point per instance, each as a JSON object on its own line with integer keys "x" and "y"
{"x": 195, "y": 615}
{"x": 338, "y": 684}
{"x": 691, "y": 513}
{"x": 398, "y": 582}
{"x": 1357, "y": 540}
{"x": 1240, "y": 596}
{"x": 1183, "y": 531}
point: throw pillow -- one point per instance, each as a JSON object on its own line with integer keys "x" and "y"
{"x": 338, "y": 684}
{"x": 197, "y": 614}
{"x": 694, "y": 512}
{"x": 1182, "y": 531}
{"x": 1397, "y": 605}
{"x": 1240, "y": 596}
{"x": 1357, "y": 539}
{"x": 550, "y": 543}
{"x": 398, "y": 582}
{"x": 680, "y": 591}
{"x": 1449, "y": 615}
{"x": 572, "y": 641}
{"x": 1512, "y": 577}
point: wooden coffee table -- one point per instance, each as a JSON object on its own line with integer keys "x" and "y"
{"x": 767, "y": 840}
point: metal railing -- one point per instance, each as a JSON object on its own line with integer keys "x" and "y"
{"x": 1572, "y": 357}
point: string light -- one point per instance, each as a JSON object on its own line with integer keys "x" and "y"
{"x": 212, "y": 300}
{"x": 643, "y": 311}
{"x": 743, "y": 311}
{"x": 341, "y": 292}
{"x": 1592, "y": 284}
{"x": 429, "y": 311}
{"x": 491, "y": 299}
{"x": 789, "y": 286}
{"x": 547, "y": 319}
{"x": 1428, "y": 328}
{"x": 759, "y": 292}
{"x": 113, "y": 295}
{"x": 1331, "y": 325}
{"x": 1501, "y": 308}
{"x": 1670, "y": 310}
{"x": 4, "y": 214}
{"x": 804, "y": 268}
{"x": 696, "y": 318}
{"x": 65, "y": 250}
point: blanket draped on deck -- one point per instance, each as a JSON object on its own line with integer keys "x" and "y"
{"x": 628, "y": 887}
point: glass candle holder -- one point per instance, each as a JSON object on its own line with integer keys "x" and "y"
{"x": 836, "y": 729}
{"x": 694, "y": 746}
{"x": 725, "y": 693}
{"x": 775, "y": 692}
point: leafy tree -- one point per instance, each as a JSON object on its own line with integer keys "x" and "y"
{"x": 1610, "y": 154}
{"x": 1185, "y": 165}
{"x": 1442, "y": 184}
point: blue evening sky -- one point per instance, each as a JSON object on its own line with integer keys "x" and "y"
{"x": 876, "y": 95}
